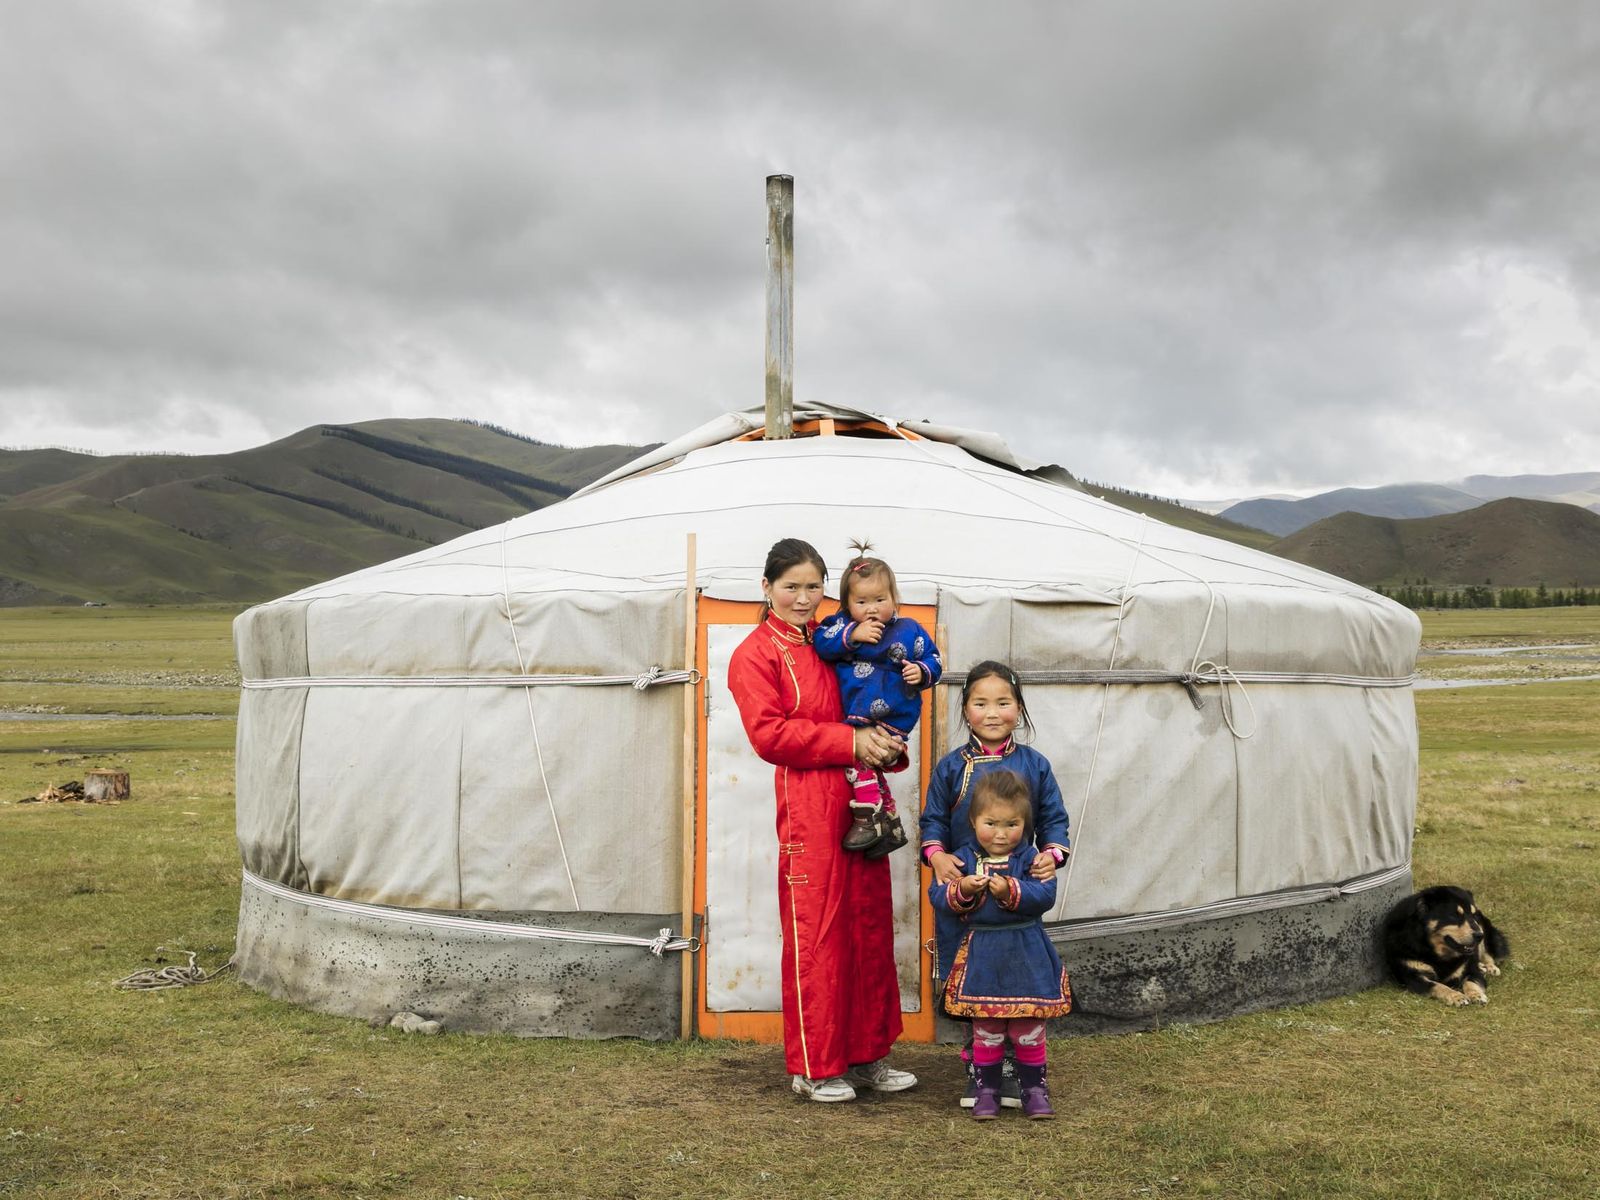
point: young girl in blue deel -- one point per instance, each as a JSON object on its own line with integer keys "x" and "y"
{"x": 1006, "y": 975}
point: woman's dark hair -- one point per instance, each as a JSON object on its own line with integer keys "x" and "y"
{"x": 1001, "y": 789}
{"x": 862, "y": 568}
{"x": 989, "y": 669}
{"x": 789, "y": 553}
{"x": 786, "y": 555}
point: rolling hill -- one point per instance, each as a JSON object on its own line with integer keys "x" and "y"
{"x": 1511, "y": 541}
{"x": 1400, "y": 500}
{"x": 262, "y": 522}
{"x": 1184, "y": 517}
{"x": 1283, "y": 515}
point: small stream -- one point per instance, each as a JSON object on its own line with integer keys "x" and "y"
{"x": 52, "y": 716}
{"x": 1425, "y": 685}
{"x": 1542, "y": 651}
{"x": 1579, "y": 652}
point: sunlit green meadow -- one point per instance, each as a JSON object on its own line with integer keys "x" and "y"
{"x": 217, "y": 1091}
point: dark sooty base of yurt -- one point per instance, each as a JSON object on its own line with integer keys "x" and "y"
{"x": 1195, "y": 972}
{"x": 358, "y": 966}
{"x": 1223, "y": 967}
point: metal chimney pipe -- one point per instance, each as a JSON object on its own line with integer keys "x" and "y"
{"x": 780, "y": 306}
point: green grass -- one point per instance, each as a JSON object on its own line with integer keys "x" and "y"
{"x": 118, "y": 660}
{"x": 217, "y": 1091}
{"x": 1487, "y": 626}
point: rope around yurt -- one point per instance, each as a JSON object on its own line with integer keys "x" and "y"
{"x": 154, "y": 978}
{"x": 1221, "y": 674}
{"x": 533, "y": 724}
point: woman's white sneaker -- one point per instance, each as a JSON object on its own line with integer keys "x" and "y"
{"x": 828, "y": 1091}
{"x": 879, "y": 1077}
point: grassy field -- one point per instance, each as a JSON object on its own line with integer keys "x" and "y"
{"x": 1528, "y": 644}
{"x": 137, "y": 661}
{"x": 1490, "y": 626}
{"x": 217, "y": 1091}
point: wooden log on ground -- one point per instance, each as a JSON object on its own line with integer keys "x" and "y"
{"x": 105, "y": 785}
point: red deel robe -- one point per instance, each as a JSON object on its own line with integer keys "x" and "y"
{"x": 841, "y": 999}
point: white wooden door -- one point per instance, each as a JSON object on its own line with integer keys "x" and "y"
{"x": 743, "y": 949}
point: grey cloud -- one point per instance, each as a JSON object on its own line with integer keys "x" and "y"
{"x": 1245, "y": 243}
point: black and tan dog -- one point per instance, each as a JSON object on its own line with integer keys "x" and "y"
{"x": 1438, "y": 944}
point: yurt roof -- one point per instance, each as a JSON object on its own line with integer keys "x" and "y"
{"x": 948, "y": 508}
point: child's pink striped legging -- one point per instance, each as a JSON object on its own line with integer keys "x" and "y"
{"x": 989, "y": 1040}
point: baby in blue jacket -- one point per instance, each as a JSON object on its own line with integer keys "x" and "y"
{"x": 884, "y": 662}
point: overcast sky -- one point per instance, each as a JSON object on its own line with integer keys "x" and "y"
{"x": 1201, "y": 248}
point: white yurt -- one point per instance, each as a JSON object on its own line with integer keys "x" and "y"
{"x": 500, "y": 782}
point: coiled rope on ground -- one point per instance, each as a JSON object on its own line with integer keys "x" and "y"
{"x": 153, "y": 978}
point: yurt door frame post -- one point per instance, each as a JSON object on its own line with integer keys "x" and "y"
{"x": 721, "y": 928}
{"x": 690, "y": 728}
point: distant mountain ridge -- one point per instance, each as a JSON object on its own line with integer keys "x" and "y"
{"x": 1510, "y": 542}
{"x": 1579, "y": 487}
{"x": 1410, "y": 500}
{"x": 1403, "y": 500}
{"x": 263, "y": 522}
{"x": 156, "y": 528}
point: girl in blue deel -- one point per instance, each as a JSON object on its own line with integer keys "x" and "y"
{"x": 1006, "y": 975}
{"x": 993, "y": 707}
{"x": 884, "y": 663}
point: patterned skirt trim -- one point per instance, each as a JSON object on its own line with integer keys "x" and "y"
{"x": 960, "y": 1004}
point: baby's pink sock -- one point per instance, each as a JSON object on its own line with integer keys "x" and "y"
{"x": 864, "y": 789}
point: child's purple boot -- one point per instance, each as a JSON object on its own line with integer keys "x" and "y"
{"x": 1035, "y": 1095}
{"x": 987, "y": 1105}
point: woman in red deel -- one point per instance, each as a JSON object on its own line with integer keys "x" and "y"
{"x": 841, "y": 999}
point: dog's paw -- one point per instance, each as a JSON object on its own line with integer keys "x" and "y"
{"x": 1473, "y": 993}
{"x": 1490, "y": 969}
{"x": 1449, "y": 996}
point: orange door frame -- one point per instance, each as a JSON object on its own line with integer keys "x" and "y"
{"x": 768, "y": 1026}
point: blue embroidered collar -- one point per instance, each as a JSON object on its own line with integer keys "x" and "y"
{"x": 976, "y": 749}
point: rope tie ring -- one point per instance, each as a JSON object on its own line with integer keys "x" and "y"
{"x": 1225, "y": 677}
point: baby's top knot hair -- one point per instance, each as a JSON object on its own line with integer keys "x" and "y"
{"x": 864, "y": 567}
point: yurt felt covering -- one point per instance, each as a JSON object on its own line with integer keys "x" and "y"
{"x": 390, "y": 753}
